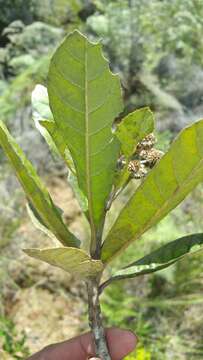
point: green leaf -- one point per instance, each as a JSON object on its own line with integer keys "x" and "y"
{"x": 168, "y": 183}
{"x": 41, "y": 112}
{"x": 121, "y": 178}
{"x": 85, "y": 97}
{"x": 133, "y": 128}
{"x": 81, "y": 198}
{"x": 37, "y": 220}
{"x": 59, "y": 141}
{"x": 44, "y": 122}
{"x": 163, "y": 257}
{"x": 35, "y": 189}
{"x": 75, "y": 261}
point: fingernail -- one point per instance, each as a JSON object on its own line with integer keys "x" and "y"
{"x": 94, "y": 358}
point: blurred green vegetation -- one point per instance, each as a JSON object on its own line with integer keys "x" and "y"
{"x": 12, "y": 342}
{"x": 156, "y": 47}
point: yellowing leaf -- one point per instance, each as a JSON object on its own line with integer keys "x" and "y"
{"x": 75, "y": 261}
{"x": 168, "y": 183}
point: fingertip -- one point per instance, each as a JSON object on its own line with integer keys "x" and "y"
{"x": 130, "y": 340}
{"x": 121, "y": 342}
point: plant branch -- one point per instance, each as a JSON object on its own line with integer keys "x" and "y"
{"x": 95, "y": 320}
{"x": 105, "y": 284}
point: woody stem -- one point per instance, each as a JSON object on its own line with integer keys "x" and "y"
{"x": 95, "y": 320}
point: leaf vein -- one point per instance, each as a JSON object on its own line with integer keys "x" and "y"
{"x": 98, "y": 107}
{"x": 63, "y": 76}
{"x": 66, "y": 102}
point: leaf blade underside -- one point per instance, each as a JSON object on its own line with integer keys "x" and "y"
{"x": 85, "y": 97}
{"x": 168, "y": 183}
{"x": 37, "y": 221}
{"x": 54, "y": 137}
{"x": 44, "y": 122}
{"x": 35, "y": 189}
{"x": 133, "y": 128}
{"x": 75, "y": 261}
{"x": 163, "y": 257}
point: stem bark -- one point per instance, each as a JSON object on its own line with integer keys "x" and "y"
{"x": 95, "y": 321}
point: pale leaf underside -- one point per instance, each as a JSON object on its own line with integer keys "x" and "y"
{"x": 44, "y": 122}
{"x": 75, "y": 261}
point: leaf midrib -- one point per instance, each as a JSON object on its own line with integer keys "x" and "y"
{"x": 88, "y": 161}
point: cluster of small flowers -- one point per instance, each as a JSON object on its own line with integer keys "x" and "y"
{"x": 146, "y": 156}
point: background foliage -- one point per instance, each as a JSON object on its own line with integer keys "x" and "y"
{"x": 156, "y": 47}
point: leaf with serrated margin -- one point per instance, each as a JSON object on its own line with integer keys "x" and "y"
{"x": 75, "y": 261}
{"x": 85, "y": 97}
{"x": 35, "y": 189}
{"x": 167, "y": 184}
{"x": 133, "y": 128}
{"x": 162, "y": 258}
